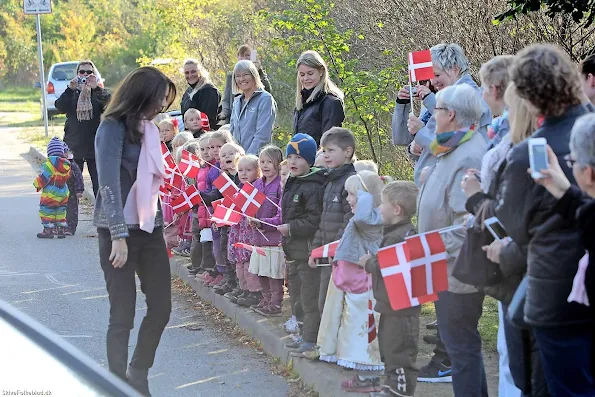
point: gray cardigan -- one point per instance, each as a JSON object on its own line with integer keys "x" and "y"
{"x": 363, "y": 233}
{"x": 426, "y": 135}
{"x": 252, "y": 122}
{"x": 117, "y": 162}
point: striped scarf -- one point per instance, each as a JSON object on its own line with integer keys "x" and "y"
{"x": 84, "y": 107}
{"x": 446, "y": 142}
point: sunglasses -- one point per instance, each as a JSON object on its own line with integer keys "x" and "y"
{"x": 85, "y": 71}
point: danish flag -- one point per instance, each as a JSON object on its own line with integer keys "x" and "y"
{"x": 326, "y": 251}
{"x": 225, "y": 185}
{"x": 429, "y": 269}
{"x": 223, "y": 216}
{"x": 252, "y": 248}
{"x": 227, "y": 202}
{"x": 164, "y": 189}
{"x": 420, "y": 65}
{"x": 396, "y": 272}
{"x": 168, "y": 160}
{"x": 174, "y": 181}
{"x": 189, "y": 165}
{"x": 186, "y": 200}
{"x": 204, "y": 122}
{"x": 371, "y": 323}
{"x": 249, "y": 199}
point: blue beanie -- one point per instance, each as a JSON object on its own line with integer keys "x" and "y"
{"x": 56, "y": 147}
{"x": 304, "y": 146}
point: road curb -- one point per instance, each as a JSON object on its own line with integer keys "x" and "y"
{"x": 322, "y": 377}
{"x": 40, "y": 158}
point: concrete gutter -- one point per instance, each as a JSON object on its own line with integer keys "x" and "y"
{"x": 39, "y": 158}
{"x": 322, "y": 377}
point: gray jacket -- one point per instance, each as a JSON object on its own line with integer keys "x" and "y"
{"x": 441, "y": 201}
{"x": 117, "y": 162}
{"x": 228, "y": 97}
{"x": 252, "y": 122}
{"x": 426, "y": 135}
{"x": 363, "y": 233}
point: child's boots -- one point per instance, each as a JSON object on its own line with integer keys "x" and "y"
{"x": 46, "y": 233}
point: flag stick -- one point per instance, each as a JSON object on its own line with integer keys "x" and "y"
{"x": 275, "y": 204}
{"x": 262, "y": 234}
{"x": 253, "y": 219}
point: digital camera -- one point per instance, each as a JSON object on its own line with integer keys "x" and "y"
{"x": 82, "y": 79}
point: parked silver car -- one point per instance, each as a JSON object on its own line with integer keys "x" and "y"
{"x": 57, "y": 80}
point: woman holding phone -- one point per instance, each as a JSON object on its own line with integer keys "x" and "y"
{"x": 130, "y": 222}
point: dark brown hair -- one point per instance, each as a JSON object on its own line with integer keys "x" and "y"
{"x": 244, "y": 49}
{"x": 137, "y": 96}
{"x": 587, "y": 65}
{"x": 341, "y": 137}
{"x": 545, "y": 76}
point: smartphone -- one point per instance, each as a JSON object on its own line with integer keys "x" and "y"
{"x": 495, "y": 227}
{"x": 538, "y": 156}
{"x": 253, "y": 54}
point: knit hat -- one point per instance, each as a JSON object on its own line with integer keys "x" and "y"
{"x": 56, "y": 147}
{"x": 304, "y": 146}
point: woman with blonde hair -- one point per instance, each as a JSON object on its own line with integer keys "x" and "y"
{"x": 318, "y": 101}
{"x": 254, "y": 110}
{"x": 201, "y": 94}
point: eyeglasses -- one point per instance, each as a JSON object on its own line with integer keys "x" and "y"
{"x": 82, "y": 71}
{"x": 437, "y": 108}
{"x": 570, "y": 162}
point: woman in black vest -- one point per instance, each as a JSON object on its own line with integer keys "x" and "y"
{"x": 318, "y": 101}
{"x": 201, "y": 93}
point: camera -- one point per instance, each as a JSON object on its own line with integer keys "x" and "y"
{"x": 413, "y": 91}
{"x": 82, "y": 80}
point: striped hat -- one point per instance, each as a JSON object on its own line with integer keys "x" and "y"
{"x": 56, "y": 147}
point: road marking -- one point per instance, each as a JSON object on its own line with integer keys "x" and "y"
{"x": 82, "y": 291}
{"x": 198, "y": 382}
{"x": 217, "y": 352}
{"x": 54, "y": 279}
{"x": 50, "y": 289}
{"x": 24, "y": 300}
{"x": 95, "y": 297}
{"x": 183, "y": 325}
{"x": 18, "y": 274}
{"x": 76, "y": 336}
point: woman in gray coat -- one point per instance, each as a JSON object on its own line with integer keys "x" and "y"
{"x": 254, "y": 111}
{"x": 457, "y": 147}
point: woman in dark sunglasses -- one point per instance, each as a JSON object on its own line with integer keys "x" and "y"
{"x": 83, "y": 102}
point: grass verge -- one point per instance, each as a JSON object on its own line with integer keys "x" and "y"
{"x": 20, "y": 99}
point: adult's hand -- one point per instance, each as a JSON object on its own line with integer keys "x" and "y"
{"x": 92, "y": 81}
{"x": 403, "y": 93}
{"x": 414, "y": 124}
{"x": 470, "y": 184}
{"x": 493, "y": 250}
{"x": 73, "y": 83}
{"x": 423, "y": 91}
{"x": 415, "y": 149}
{"x": 119, "y": 254}
{"x": 553, "y": 178}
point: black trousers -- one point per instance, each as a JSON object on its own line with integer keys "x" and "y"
{"x": 148, "y": 258}
{"x": 295, "y": 290}
{"x": 92, "y": 168}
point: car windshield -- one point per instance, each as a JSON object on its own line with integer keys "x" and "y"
{"x": 64, "y": 72}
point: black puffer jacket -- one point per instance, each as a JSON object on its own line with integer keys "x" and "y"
{"x": 336, "y": 211}
{"x": 527, "y": 212}
{"x": 301, "y": 211}
{"x": 318, "y": 116}
{"x": 80, "y": 135}
{"x": 392, "y": 234}
{"x": 206, "y": 100}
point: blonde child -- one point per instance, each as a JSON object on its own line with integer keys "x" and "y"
{"x": 343, "y": 335}
{"x": 269, "y": 268}
{"x": 365, "y": 165}
{"x": 248, "y": 289}
{"x": 179, "y": 141}
{"x": 168, "y": 129}
{"x": 284, "y": 172}
{"x": 196, "y": 122}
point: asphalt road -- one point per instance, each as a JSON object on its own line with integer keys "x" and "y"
{"x": 60, "y": 284}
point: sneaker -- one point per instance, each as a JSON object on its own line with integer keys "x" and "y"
{"x": 186, "y": 252}
{"x": 224, "y": 289}
{"x": 431, "y": 339}
{"x": 432, "y": 325}
{"x": 193, "y": 271}
{"x": 290, "y": 326}
{"x": 177, "y": 250}
{"x": 235, "y": 292}
{"x": 269, "y": 311}
{"x": 242, "y": 295}
{"x": 399, "y": 383}
{"x": 435, "y": 373}
{"x": 297, "y": 342}
{"x": 189, "y": 266}
{"x": 362, "y": 384}
{"x": 252, "y": 299}
{"x": 305, "y": 347}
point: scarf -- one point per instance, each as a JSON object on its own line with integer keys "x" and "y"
{"x": 84, "y": 107}
{"x": 141, "y": 204}
{"x": 446, "y": 142}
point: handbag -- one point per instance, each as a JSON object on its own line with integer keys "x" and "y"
{"x": 472, "y": 266}
{"x": 516, "y": 309}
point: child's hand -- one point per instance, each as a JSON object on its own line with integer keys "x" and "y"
{"x": 364, "y": 259}
{"x": 283, "y": 229}
{"x": 312, "y": 262}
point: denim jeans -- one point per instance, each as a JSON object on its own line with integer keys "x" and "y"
{"x": 566, "y": 359}
{"x": 148, "y": 258}
{"x": 458, "y": 316}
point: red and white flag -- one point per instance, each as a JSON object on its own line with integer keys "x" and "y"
{"x": 174, "y": 182}
{"x": 189, "y": 165}
{"x": 224, "y": 216}
{"x": 249, "y": 199}
{"x": 204, "y": 122}
{"x": 326, "y": 251}
{"x": 396, "y": 272}
{"x": 164, "y": 190}
{"x": 227, "y": 202}
{"x": 429, "y": 269}
{"x": 420, "y": 66}
{"x": 186, "y": 200}
{"x": 252, "y": 248}
{"x": 371, "y": 322}
{"x": 225, "y": 185}
{"x": 168, "y": 160}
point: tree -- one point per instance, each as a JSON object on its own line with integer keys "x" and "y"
{"x": 581, "y": 11}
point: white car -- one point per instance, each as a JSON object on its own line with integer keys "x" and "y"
{"x": 57, "y": 80}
